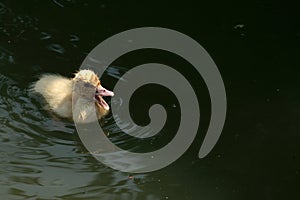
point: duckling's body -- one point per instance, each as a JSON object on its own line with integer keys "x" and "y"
{"x": 57, "y": 91}
{"x": 85, "y": 87}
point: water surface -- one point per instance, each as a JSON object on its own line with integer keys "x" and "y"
{"x": 255, "y": 46}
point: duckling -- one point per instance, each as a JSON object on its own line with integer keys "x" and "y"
{"x": 85, "y": 89}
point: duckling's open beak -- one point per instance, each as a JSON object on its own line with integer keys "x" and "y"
{"x": 102, "y": 92}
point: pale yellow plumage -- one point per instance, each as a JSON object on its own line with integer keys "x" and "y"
{"x": 58, "y": 90}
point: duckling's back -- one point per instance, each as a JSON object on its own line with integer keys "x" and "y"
{"x": 57, "y": 91}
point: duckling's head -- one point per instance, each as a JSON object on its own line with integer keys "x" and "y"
{"x": 88, "y": 88}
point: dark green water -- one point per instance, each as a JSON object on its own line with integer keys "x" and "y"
{"x": 256, "y": 47}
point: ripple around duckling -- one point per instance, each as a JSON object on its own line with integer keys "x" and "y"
{"x": 41, "y": 156}
{"x": 23, "y": 122}
{"x": 23, "y": 116}
{"x": 117, "y": 129}
{"x": 34, "y": 146}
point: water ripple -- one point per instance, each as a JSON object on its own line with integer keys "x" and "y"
{"x": 41, "y": 157}
{"x": 56, "y": 48}
{"x": 3, "y": 9}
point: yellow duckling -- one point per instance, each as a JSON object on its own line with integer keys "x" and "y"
{"x": 86, "y": 90}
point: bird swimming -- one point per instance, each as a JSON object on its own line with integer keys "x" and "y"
{"x": 84, "y": 93}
